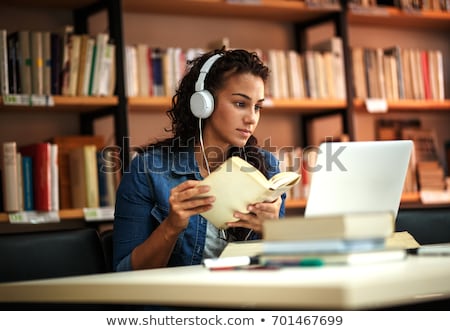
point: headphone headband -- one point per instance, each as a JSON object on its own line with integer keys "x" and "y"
{"x": 200, "y": 84}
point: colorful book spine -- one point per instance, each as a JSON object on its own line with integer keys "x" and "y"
{"x": 27, "y": 173}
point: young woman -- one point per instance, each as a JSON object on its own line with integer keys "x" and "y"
{"x": 214, "y": 113}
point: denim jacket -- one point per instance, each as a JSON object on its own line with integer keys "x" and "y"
{"x": 142, "y": 203}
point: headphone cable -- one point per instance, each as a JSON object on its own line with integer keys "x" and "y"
{"x": 202, "y": 146}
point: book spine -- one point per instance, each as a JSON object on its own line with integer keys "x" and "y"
{"x": 27, "y": 174}
{"x": 9, "y": 177}
{"x": 37, "y": 68}
{"x": 47, "y": 62}
{"x": 56, "y": 63}
{"x": 91, "y": 180}
{"x": 4, "y": 79}
{"x": 25, "y": 62}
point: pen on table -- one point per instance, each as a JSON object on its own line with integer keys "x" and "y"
{"x": 305, "y": 262}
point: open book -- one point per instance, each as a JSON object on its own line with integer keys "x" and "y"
{"x": 236, "y": 184}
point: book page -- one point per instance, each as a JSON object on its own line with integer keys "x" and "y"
{"x": 402, "y": 239}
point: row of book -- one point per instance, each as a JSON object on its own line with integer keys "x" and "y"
{"x": 318, "y": 73}
{"x": 397, "y": 73}
{"x": 64, "y": 173}
{"x": 56, "y": 63}
{"x": 426, "y": 171}
{"x": 436, "y": 5}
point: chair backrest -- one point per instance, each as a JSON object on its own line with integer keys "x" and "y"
{"x": 106, "y": 237}
{"x": 38, "y": 255}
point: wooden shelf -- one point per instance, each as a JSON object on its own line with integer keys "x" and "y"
{"x": 407, "y": 198}
{"x": 273, "y": 10}
{"x": 65, "y": 103}
{"x": 64, "y": 214}
{"x": 409, "y": 106}
{"x": 58, "y": 4}
{"x": 301, "y": 106}
{"x": 394, "y": 17}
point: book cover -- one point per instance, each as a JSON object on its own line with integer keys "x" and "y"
{"x": 37, "y": 68}
{"x": 4, "y": 79}
{"x": 348, "y": 226}
{"x": 84, "y": 177}
{"x": 21, "y": 42}
{"x": 47, "y": 62}
{"x": 291, "y": 247}
{"x": 27, "y": 175}
{"x": 42, "y": 185}
{"x": 236, "y": 184}
{"x": 56, "y": 56}
{"x": 13, "y": 64}
{"x": 10, "y": 180}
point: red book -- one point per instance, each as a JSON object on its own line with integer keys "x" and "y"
{"x": 426, "y": 74}
{"x": 42, "y": 183}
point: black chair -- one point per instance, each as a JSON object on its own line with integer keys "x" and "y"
{"x": 427, "y": 226}
{"x": 37, "y": 255}
{"x": 106, "y": 238}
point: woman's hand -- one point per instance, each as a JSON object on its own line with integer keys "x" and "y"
{"x": 258, "y": 212}
{"x": 184, "y": 202}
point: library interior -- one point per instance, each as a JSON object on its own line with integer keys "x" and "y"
{"x": 86, "y": 83}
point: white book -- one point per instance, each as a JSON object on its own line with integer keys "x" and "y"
{"x": 106, "y": 73}
{"x": 54, "y": 177}
{"x": 347, "y": 226}
{"x": 74, "y": 66}
{"x": 88, "y": 66}
{"x": 282, "y": 73}
{"x": 293, "y": 74}
{"x": 380, "y": 72}
{"x": 394, "y": 77}
{"x": 311, "y": 75}
{"x": 274, "y": 87}
{"x": 319, "y": 69}
{"x": 37, "y": 68}
{"x": 101, "y": 48}
{"x": 227, "y": 183}
{"x": 440, "y": 75}
{"x": 143, "y": 70}
{"x": 132, "y": 80}
{"x": 359, "y": 82}
{"x": 330, "y": 78}
{"x": 9, "y": 177}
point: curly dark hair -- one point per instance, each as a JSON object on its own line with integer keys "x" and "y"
{"x": 184, "y": 124}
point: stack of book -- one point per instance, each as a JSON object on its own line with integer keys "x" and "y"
{"x": 352, "y": 239}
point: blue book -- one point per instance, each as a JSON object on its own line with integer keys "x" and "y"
{"x": 27, "y": 170}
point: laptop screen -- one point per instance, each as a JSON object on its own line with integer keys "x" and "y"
{"x": 361, "y": 176}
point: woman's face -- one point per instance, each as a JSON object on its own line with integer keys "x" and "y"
{"x": 236, "y": 112}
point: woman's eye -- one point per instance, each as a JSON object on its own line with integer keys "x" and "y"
{"x": 240, "y": 104}
{"x": 258, "y": 108}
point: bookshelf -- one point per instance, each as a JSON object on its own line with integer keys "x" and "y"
{"x": 296, "y": 14}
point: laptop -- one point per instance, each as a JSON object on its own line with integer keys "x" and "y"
{"x": 358, "y": 177}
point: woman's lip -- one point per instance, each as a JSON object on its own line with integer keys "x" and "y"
{"x": 245, "y": 132}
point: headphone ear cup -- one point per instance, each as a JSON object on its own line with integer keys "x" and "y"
{"x": 202, "y": 104}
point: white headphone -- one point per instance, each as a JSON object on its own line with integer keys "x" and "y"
{"x": 202, "y": 101}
